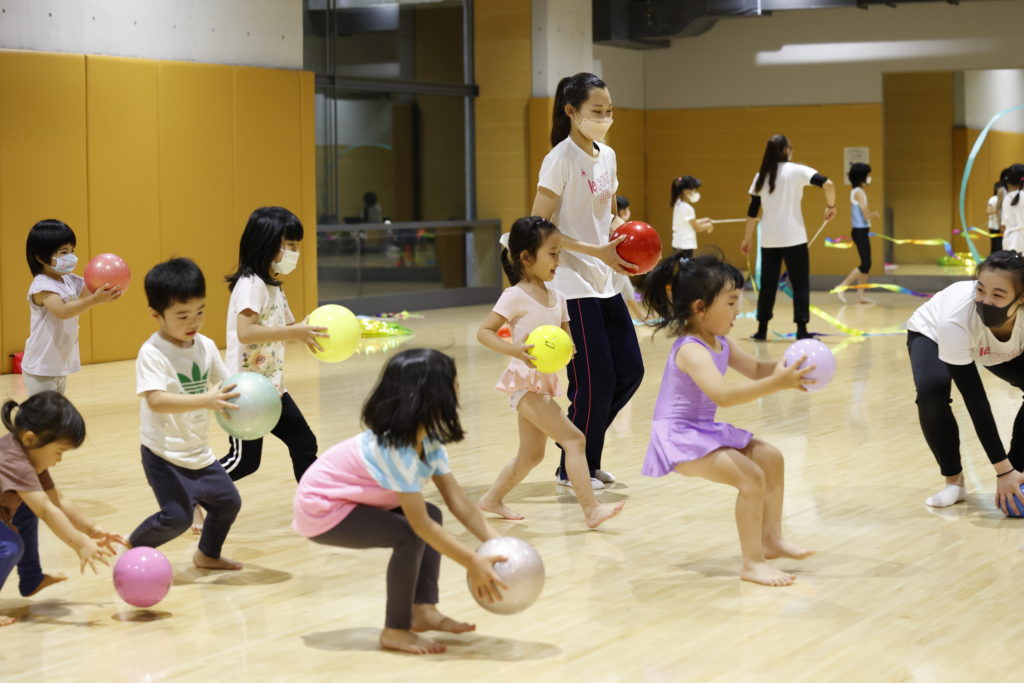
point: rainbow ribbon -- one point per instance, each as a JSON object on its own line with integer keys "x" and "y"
{"x": 891, "y": 288}
{"x": 375, "y": 328}
{"x": 845, "y": 243}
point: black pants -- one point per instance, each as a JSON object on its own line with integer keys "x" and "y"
{"x": 799, "y": 266}
{"x": 997, "y": 244}
{"x": 414, "y": 565}
{"x": 863, "y": 242}
{"x": 178, "y": 490}
{"x": 605, "y": 372}
{"x": 244, "y": 457}
{"x": 684, "y": 253}
{"x": 933, "y": 382}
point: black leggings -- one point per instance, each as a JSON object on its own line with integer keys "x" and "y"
{"x": 863, "y": 242}
{"x": 799, "y": 266}
{"x": 414, "y": 565}
{"x": 933, "y": 380}
{"x": 244, "y": 457}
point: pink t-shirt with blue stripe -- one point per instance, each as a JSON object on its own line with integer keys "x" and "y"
{"x": 361, "y": 471}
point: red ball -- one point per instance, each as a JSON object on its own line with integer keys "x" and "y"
{"x": 107, "y": 269}
{"x": 641, "y": 247}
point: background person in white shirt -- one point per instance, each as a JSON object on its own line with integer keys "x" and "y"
{"x": 1013, "y": 209}
{"x": 576, "y": 191}
{"x": 685, "y": 224}
{"x": 778, "y": 188}
{"x": 967, "y": 324}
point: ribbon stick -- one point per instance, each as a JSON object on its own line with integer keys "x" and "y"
{"x": 729, "y": 220}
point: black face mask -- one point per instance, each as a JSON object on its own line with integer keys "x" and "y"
{"x": 992, "y": 315}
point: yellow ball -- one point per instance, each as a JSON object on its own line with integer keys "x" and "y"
{"x": 552, "y": 348}
{"x": 344, "y": 330}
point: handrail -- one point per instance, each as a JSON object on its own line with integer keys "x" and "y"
{"x": 407, "y": 225}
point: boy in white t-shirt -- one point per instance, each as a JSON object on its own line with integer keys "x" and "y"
{"x": 174, "y": 373}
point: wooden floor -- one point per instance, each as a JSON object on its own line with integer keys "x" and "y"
{"x": 897, "y": 591}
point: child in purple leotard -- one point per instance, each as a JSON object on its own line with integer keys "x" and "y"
{"x": 697, "y": 300}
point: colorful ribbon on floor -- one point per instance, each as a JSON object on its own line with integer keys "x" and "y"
{"x": 375, "y": 328}
{"x": 891, "y": 288}
{"x": 845, "y": 243}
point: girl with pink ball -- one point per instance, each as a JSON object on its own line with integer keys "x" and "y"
{"x": 697, "y": 300}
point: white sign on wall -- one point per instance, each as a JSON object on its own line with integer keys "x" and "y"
{"x": 853, "y": 155}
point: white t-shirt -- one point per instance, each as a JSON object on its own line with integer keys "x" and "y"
{"x": 1013, "y": 216}
{"x": 993, "y": 215}
{"x": 51, "y": 349}
{"x": 179, "y": 438}
{"x": 586, "y": 189}
{"x": 683, "y": 234}
{"x": 951, "y": 320}
{"x": 271, "y": 304}
{"x": 782, "y": 222}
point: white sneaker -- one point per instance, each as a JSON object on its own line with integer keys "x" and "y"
{"x": 606, "y": 477}
{"x": 595, "y": 484}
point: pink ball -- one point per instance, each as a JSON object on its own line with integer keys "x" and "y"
{"x": 107, "y": 269}
{"x": 819, "y": 356}
{"x": 142, "y": 576}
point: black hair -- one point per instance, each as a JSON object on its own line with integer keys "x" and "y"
{"x": 1003, "y": 175}
{"x": 175, "y": 281}
{"x": 48, "y": 415}
{"x": 44, "y": 239}
{"x": 621, "y": 203}
{"x": 676, "y": 282}
{"x": 416, "y": 389}
{"x": 858, "y": 173}
{"x": 370, "y": 198}
{"x": 681, "y": 185}
{"x": 774, "y": 154}
{"x": 572, "y": 90}
{"x": 1015, "y": 176}
{"x": 261, "y": 240}
{"x": 998, "y": 186}
{"x": 527, "y": 234}
{"x": 1007, "y": 260}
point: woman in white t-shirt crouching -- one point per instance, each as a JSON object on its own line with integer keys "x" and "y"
{"x": 575, "y": 192}
{"x": 783, "y": 235}
{"x": 967, "y": 324}
{"x": 685, "y": 224}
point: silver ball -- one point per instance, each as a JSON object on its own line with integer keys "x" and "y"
{"x": 523, "y": 571}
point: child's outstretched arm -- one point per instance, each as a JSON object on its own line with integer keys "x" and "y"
{"x": 250, "y": 331}
{"x": 481, "y": 572}
{"x": 748, "y": 366}
{"x": 696, "y": 361}
{"x": 69, "y": 309}
{"x": 702, "y": 224}
{"x": 488, "y": 336}
{"x": 83, "y": 523}
{"x": 215, "y": 398}
{"x": 44, "y": 508}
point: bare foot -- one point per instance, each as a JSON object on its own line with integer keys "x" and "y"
{"x": 6, "y": 621}
{"x": 197, "y": 520}
{"x": 48, "y": 580}
{"x": 764, "y": 573}
{"x": 602, "y": 513}
{"x": 206, "y": 562}
{"x": 786, "y": 549}
{"x": 429, "y": 618}
{"x": 407, "y": 641}
{"x": 499, "y": 509}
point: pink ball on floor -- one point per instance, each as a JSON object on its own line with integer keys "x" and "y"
{"x": 818, "y": 355}
{"x": 142, "y": 576}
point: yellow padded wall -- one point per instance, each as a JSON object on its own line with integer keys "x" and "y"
{"x": 42, "y": 174}
{"x": 197, "y": 188}
{"x": 268, "y": 159}
{"x": 124, "y": 189}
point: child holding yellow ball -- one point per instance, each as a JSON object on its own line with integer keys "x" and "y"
{"x": 530, "y": 259}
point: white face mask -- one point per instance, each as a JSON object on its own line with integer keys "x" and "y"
{"x": 287, "y": 263}
{"x": 65, "y": 263}
{"x": 694, "y": 197}
{"x": 594, "y": 129}
{"x": 868, "y": 181}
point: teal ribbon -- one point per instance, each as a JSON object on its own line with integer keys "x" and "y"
{"x": 967, "y": 174}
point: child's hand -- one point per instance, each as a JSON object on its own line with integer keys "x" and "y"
{"x": 745, "y": 246}
{"x": 483, "y": 581}
{"x": 217, "y": 399}
{"x": 1008, "y": 488}
{"x": 89, "y": 553}
{"x": 106, "y": 539}
{"x": 107, "y": 293}
{"x": 793, "y": 376}
{"x": 522, "y": 352}
{"x": 308, "y": 335}
{"x": 705, "y": 225}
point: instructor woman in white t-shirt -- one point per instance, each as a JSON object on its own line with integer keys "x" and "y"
{"x": 968, "y": 324}
{"x": 576, "y": 191}
{"x": 778, "y": 188}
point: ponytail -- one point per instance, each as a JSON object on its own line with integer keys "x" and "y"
{"x": 673, "y": 286}
{"x": 574, "y": 91}
{"x": 681, "y": 185}
{"x": 48, "y": 415}
{"x": 527, "y": 234}
{"x": 774, "y": 154}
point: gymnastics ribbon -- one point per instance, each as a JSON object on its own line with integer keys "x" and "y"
{"x": 374, "y": 328}
{"x": 967, "y": 174}
{"x": 891, "y": 288}
{"x": 844, "y": 243}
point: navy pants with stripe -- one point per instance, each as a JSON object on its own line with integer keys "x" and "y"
{"x": 244, "y": 457}
{"x": 605, "y": 372}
